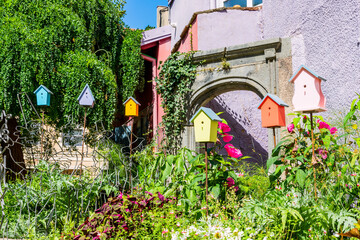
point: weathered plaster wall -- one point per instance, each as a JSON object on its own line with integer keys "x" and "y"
{"x": 325, "y": 37}
{"x": 181, "y": 12}
{"x": 228, "y": 28}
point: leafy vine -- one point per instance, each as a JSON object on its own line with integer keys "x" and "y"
{"x": 174, "y": 85}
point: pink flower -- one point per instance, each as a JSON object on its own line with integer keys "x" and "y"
{"x": 227, "y": 137}
{"x": 230, "y": 182}
{"x": 232, "y": 151}
{"x": 240, "y": 175}
{"x": 333, "y": 130}
{"x": 323, "y": 125}
{"x": 165, "y": 231}
{"x": 236, "y": 188}
{"x": 290, "y": 127}
{"x": 224, "y": 127}
{"x": 323, "y": 153}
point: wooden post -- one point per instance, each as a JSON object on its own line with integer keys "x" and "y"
{"x": 83, "y": 142}
{"x": 206, "y": 180}
{"x": 274, "y": 133}
{"x": 130, "y": 157}
{"x": 313, "y": 159}
{"x": 42, "y": 135}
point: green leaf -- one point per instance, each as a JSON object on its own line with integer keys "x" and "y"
{"x": 300, "y": 177}
{"x": 166, "y": 173}
{"x": 270, "y": 162}
{"x": 215, "y": 190}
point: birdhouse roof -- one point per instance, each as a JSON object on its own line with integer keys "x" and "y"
{"x": 210, "y": 113}
{"x": 302, "y": 68}
{"x": 84, "y": 90}
{"x": 42, "y": 87}
{"x": 133, "y": 100}
{"x": 275, "y": 98}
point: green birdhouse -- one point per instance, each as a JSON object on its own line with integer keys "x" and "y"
{"x": 206, "y": 124}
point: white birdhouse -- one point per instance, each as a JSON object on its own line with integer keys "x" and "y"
{"x": 308, "y": 96}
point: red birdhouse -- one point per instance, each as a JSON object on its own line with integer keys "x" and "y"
{"x": 272, "y": 111}
{"x": 308, "y": 96}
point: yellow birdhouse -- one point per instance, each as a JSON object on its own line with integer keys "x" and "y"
{"x": 131, "y": 107}
{"x": 206, "y": 124}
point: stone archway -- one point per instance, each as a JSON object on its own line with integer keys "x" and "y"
{"x": 254, "y": 67}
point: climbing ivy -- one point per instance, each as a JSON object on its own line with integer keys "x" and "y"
{"x": 133, "y": 68}
{"x": 174, "y": 85}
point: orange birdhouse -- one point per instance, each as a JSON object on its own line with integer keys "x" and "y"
{"x": 131, "y": 107}
{"x": 308, "y": 96}
{"x": 272, "y": 111}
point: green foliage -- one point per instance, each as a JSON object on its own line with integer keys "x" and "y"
{"x": 174, "y": 85}
{"x": 51, "y": 200}
{"x": 64, "y": 45}
{"x": 132, "y": 71}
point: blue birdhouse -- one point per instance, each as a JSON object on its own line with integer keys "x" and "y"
{"x": 86, "y": 97}
{"x": 42, "y": 96}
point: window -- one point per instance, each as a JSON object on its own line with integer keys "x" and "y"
{"x": 242, "y": 3}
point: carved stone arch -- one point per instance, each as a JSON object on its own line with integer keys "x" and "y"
{"x": 208, "y": 91}
{"x": 261, "y": 67}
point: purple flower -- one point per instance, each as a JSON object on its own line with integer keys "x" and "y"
{"x": 149, "y": 193}
{"x": 290, "y": 127}
{"x": 161, "y": 197}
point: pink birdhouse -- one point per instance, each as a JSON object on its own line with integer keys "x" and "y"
{"x": 308, "y": 96}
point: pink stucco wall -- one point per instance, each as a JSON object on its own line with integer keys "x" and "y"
{"x": 164, "y": 51}
{"x": 191, "y": 35}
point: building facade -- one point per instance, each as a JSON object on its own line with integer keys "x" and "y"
{"x": 264, "y": 42}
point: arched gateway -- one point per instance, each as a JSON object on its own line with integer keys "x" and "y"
{"x": 261, "y": 67}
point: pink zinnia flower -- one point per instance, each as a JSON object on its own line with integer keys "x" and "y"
{"x": 227, "y": 137}
{"x": 232, "y": 151}
{"x": 290, "y": 127}
{"x": 333, "y": 130}
{"x": 224, "y": 127}
{"x": 323, "y": 125}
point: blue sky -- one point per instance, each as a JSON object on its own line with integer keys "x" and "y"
{"x": 141, "y": 13}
